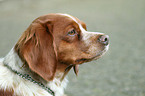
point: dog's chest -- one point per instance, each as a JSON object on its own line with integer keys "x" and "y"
{"x": 23, "y": 87}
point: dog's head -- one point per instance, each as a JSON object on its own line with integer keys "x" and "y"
{"x": 55, "y": 42}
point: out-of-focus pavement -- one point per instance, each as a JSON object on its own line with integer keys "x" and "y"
{"x": 121, "y": 72}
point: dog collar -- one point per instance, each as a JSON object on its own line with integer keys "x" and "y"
{"x": 29, "y": 78}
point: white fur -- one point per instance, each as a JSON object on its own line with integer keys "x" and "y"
{"x": 22, "y": 87}
{"x": 70, "y": 17}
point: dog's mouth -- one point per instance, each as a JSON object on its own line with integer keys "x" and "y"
{"x": 97, "y": 56}
{"x": 77, "y": 62}
{"x": 80, "y": 61}
{"x": 83, "y": 60}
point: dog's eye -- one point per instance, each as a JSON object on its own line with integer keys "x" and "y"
{"x": 72, "y": 33}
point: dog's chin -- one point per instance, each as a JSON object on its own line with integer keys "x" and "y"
{"x": 97, "y": 56}
{"x": 101, "y": 53}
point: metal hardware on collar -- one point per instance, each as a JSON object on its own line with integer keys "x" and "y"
{"x": 27, "y": 77}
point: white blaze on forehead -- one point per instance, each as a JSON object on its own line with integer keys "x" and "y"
{"x": 71, "y": 18}
{"x": 80, "y": 26}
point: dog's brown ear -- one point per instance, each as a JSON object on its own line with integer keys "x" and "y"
{"x": 37, "y": 48}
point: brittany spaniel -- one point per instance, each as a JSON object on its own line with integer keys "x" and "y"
{"x": 38, "y": 63}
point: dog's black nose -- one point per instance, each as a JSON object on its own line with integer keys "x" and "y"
{"x": 104, "y": 39}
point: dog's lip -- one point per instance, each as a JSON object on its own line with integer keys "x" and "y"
{"x": 83, "y": 60}
{"x": 97, "y": 56}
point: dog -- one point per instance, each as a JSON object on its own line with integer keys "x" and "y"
{"x": 53, "y": 44}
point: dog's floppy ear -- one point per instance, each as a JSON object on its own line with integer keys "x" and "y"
{"x": 37, "y": 48}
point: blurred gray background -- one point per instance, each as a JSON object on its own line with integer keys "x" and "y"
{"x": 121, "y": 72}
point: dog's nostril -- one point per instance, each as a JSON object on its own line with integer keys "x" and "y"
{"x": 104, "y": 39}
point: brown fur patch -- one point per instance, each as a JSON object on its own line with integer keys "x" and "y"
{"x": 37, "y": 49}
{"x": 6, "y": 93}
